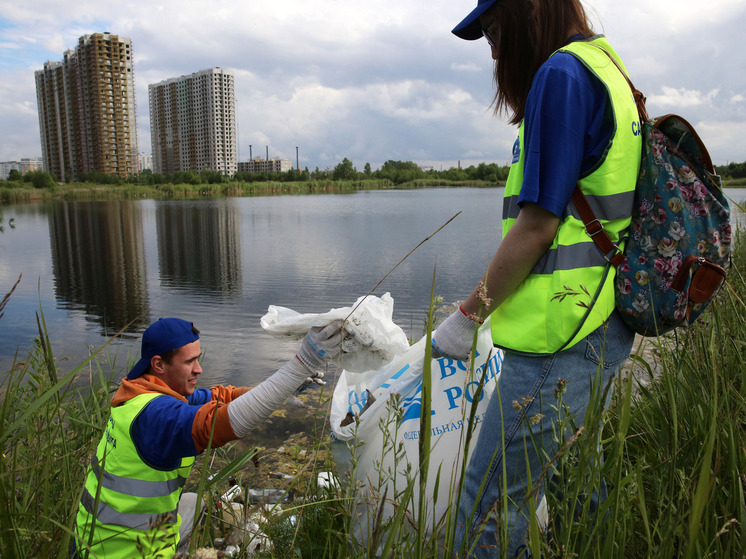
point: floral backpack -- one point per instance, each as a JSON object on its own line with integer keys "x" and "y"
{"x": 678, "y": 243}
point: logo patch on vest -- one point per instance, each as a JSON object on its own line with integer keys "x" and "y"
{"x": 516, "y": 151}
{"x": 111, "y": 440}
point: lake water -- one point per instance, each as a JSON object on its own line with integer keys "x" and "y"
{"x": 95, "y": 267}
{"x": 92, "y": 268}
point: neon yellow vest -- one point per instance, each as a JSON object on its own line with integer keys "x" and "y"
{"x": 536, "y": 319}
{"x": 131, "y": 498}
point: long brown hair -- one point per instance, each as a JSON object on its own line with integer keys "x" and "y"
{"x": 525, "y": 41}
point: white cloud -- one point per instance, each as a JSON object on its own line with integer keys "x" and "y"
{"x": 55, "y": 43}
{"x": 665, "y": 18}
{"x": 364, "y": 80}
{"x": 720, "y": 136}
{"x": 466, "y": 67}
{"x": 682, "y": 98}
{"x": 20, "y": 135}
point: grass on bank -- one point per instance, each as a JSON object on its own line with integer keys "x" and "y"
{"x": 674, "y": 449}
{"x": 20, "y": 192}
{"x": 24, "y": 192}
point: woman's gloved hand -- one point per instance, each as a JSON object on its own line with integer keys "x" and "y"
{"x": 454, "y": 338}
{"x": 320, "y": 345}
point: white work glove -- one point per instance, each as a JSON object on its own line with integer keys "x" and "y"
{"x": 455, "y": 337}
{"x": 316, "y": 378}
{"x": 253, "y": 407}
{"x": 320, "y": 345}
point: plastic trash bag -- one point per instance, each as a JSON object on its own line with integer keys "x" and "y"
{"x": 372, "y": 339}
{"x": 381, "y": 409}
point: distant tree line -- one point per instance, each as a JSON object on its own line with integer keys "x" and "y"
{"x": 398, "y": 172}
{"x": 732, "y": 170}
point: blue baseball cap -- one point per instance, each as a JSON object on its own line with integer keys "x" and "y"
{"x": 162, "y": 336}
{"x": 470, "y": 28}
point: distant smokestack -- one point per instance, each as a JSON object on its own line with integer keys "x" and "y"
{"x": 267, "y": 153}
{"x": 251, "y": 158}
{"x": 297, "y": 161}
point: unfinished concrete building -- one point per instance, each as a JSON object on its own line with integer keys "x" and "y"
{"x": 86, "y": 108}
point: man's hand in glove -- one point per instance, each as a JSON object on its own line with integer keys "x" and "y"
{"x": 251, "y": 408}
{"x": 315, "y": 378}
{"x": 320, "y": 345}
{"x": 454, "y": 338}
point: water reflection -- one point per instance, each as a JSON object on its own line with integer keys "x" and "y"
{"x": 199, "y": 247}
{"x": 98, "y": 261}
{"x": 94, "y": 267}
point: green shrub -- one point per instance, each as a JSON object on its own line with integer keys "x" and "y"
{"x": 41, "y": 179}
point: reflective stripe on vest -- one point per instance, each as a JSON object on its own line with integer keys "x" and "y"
{"x": 136, "y": 487}
{"x": 133, "y": 497}
{"x": 569, "y": 257}
{"x": 611, "y": 207}
{"x": 108, "y": 515}
{"x": 533, "y": 319}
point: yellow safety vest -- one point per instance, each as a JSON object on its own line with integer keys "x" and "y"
{"x": 129, "y": 507}
{"x": 535, "y": 319}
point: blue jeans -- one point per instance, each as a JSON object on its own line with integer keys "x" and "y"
{"x": 529, "y": 381}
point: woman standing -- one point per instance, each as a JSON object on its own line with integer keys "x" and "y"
{"x": 578, "y": 124}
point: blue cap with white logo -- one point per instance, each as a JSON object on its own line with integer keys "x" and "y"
{"x": 164, "y": 335}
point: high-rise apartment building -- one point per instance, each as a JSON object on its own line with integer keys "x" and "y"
{"x": 193, "y": 123}
{"x": 87, "y": 109}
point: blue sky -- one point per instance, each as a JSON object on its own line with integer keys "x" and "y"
{"x": 371, "y": 81}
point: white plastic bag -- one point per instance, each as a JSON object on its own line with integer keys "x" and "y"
{"x": 378, "y": 469}
{"x": 373, "y": 338}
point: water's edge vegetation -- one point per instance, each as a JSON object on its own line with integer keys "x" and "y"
{"x": 21, "y": 192}
{"x": 14, "y": 193}
{"x": 674, "y": 460}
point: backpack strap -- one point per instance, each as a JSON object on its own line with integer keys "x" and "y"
{"x": 642, "y": 111}
{"x": 612, "y": 253}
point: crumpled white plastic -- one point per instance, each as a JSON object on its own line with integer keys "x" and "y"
{"x": 372, "y": 340}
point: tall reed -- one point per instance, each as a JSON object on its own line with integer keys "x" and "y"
{"x": 683, "y": 460}
{"x": 669, "y": 471}
{"x": 672, "y": 460}
{"x": 48, "y": 425}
